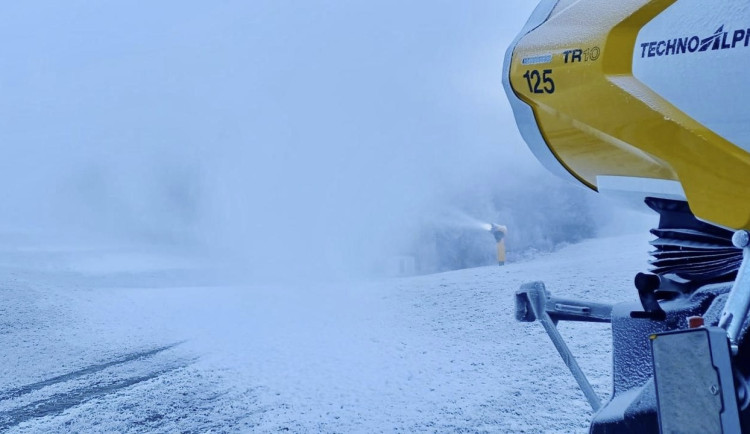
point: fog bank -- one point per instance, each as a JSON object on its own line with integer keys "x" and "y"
{"x": 294, "y": 139}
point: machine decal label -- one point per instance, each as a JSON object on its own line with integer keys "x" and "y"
{"x": 540, "y": 82}
{"x": 581, "y": 55}
{"x": 537, "y": 60}
{"x": 720, "y": 40}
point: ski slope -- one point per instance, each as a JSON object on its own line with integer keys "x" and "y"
{"x": 129, "y": 339}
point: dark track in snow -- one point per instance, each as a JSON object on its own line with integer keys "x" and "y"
{"x": 86, "y": 389}
{"x": 19, "y": 391}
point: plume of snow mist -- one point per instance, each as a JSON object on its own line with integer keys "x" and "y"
{"x": 460, "y": 220}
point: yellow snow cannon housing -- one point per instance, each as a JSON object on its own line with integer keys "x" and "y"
{"x": 499, "y": 232}
{"x": 634, "y": 89}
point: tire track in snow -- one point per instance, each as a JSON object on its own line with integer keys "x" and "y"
{"x": 60, "y": 402}
{"x": 88, "y": 388}
{"x": 19, "y": 391}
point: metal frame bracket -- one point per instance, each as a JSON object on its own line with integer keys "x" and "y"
{"x": 534, "y": 303}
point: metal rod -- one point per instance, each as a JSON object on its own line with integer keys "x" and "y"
{"x": 537, "y": 299}
{"x": 738, "y": 303}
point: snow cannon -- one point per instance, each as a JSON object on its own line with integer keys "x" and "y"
{"x": 644, "y": 101}
{"x": 499, "y": 232}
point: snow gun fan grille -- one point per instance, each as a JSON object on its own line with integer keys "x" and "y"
{"x": 690, "y": 249}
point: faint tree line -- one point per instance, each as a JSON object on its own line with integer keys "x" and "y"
{"x": 541, "y": 213}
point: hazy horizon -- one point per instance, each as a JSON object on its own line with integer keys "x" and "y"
{"x": 316, "y": 135}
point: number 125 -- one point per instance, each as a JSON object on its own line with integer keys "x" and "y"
{"x": 534, "y": 79}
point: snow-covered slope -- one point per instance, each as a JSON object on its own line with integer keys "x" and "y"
{"x": 117, "y": 340}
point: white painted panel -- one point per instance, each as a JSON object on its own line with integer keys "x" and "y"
{"x": 696, "y": 55}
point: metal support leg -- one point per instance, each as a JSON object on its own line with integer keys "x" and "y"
{"x": 531, "y": 302}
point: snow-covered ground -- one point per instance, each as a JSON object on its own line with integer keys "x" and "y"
{"x": 118, "y": 339}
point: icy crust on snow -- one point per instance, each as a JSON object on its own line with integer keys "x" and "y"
{"x": 138, "y": 348}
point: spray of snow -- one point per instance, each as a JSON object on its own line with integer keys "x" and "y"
{"x": 284, "y": 160}
{"x": 458, "y": 219}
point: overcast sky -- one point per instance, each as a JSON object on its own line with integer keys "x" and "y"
{"x": 252, "y": 125}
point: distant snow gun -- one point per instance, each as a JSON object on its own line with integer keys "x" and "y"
{"x": 499, "y": 232}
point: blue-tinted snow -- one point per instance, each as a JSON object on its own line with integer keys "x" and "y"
{"x": 108, "y": 340}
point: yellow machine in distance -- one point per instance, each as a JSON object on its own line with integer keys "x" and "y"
{"x": 499, "y": 232}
